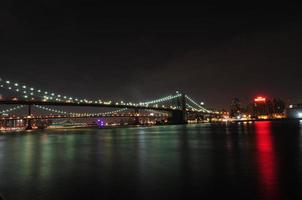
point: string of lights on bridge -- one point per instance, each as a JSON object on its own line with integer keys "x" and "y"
{"x": 61, "y": 112}
{"x": 30, "y": 93}
{"x": 102, "y": 114}
{"x": 11, "y": 109}
{"x": 79, "y": 114}
{"x": 73, "y": 114}
{"x": 196, "y": 104}
{"x": 110, "y": 112}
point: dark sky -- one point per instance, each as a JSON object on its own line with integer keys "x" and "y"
{"x": 140, "y": 51}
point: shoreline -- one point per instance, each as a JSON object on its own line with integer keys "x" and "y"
{"x": 23, "y": 131}
{"x": 273, "y": 120}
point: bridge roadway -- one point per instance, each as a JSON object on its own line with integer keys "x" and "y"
{"x": 79, "y": 116}
{"x": 51, "y": 103}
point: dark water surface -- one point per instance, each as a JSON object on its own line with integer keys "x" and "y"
{"x": 261, "y": 160}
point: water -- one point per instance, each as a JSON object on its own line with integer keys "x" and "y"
{"x": 261, "y": 160}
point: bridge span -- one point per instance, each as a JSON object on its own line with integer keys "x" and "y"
{"x": 177, "y": 106}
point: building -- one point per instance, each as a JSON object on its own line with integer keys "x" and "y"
{"x": 263, "y": 108}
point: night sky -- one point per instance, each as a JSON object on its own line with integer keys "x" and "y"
{"x": 144, "y": 51}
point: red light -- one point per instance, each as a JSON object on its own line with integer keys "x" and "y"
{"x": 260, "y": 99}
{"x": 266, "y": 160}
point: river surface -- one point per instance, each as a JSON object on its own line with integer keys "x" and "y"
{"x": 259, "y": 160}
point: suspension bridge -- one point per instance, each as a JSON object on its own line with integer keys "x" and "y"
{"x": 177, "y": 107}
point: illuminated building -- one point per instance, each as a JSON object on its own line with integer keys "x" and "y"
{"x": 260, "y": 110}
{"x": 264, "y": 108}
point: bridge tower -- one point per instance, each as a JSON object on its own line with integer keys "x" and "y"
{"x": 179, "y": 116}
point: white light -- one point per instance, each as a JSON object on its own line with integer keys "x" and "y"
{"x": 299, "y": 114}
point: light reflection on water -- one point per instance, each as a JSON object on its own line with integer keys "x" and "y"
{"x": 239, "y": 161}
{"x": 266, "y": 160}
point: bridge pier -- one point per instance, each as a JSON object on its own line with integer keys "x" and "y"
{"x": 28, "y": 122}
{"x": 199, "y": 119}
{"x": 28, "y": 126}
{"x": 136, "y": 119}
{"x": 178, "y": 117}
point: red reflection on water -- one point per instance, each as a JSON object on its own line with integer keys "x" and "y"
{"x": 266, "y": 160}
